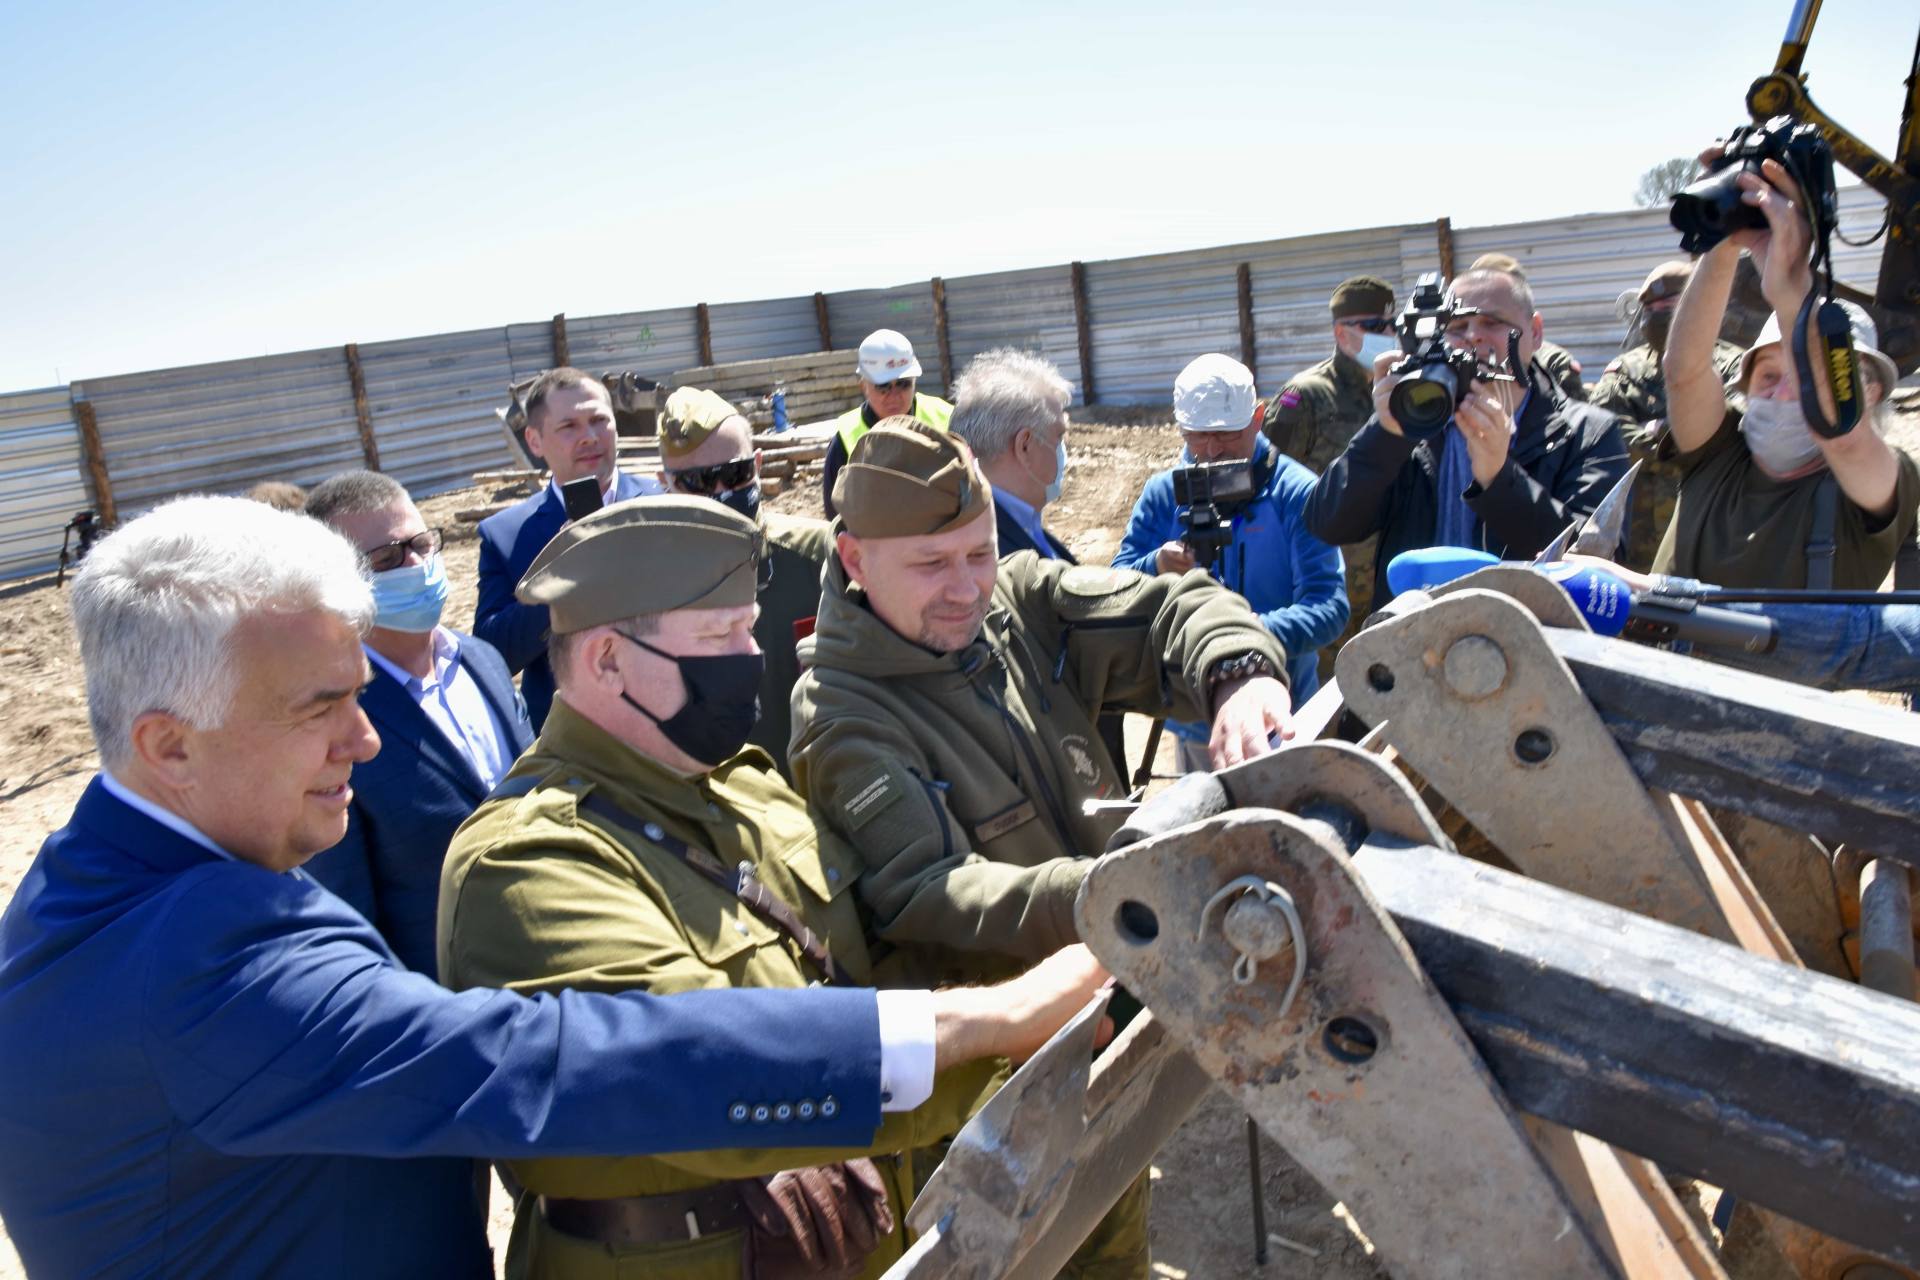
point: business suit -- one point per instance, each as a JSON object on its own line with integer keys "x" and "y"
{"x": 408, "y": 801}
{"x": 509, "y": 540}
{"x": 202, "y": 1064}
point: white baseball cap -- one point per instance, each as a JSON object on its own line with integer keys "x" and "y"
{"x": 1214, "y": 393}
{"x": 887, "y": 356}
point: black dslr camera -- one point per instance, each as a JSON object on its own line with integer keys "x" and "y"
{"x": 1711, "y": 209}
{"x": 1209, "y": 495}
{"x": 1437, "y": 375}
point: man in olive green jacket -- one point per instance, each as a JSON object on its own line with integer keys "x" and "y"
{"x": 945, "y": 724}
{"x": 616, "y": 856}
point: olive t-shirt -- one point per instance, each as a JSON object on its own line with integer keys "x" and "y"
{"x": 1739, "y": 527}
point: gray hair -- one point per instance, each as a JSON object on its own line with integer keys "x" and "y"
{"x": 353, "y": 493}
{"x": 1003, "y": 392}
{"x": 1514, "y": 279}
{"x": 156, "y": 602}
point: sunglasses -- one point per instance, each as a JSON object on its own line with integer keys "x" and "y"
{"x": 706, "y": 481}
{"x": 1370, "y": 324}
{"x": 898, "y": 384}
{"x": 391, "y": 555}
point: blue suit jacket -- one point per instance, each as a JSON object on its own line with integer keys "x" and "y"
{"x": 407, "y": 802}
{"x": 201, "y": 1060}
{"x": 509, "y": 540}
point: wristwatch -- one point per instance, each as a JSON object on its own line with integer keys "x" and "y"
{"x": 1244, "y": 667}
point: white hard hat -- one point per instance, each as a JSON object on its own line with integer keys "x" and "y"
{"x": 886, "y": 356}
{"x": 1214, "y": 393}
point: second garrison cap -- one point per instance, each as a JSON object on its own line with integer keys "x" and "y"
{"x": 906, "y": 479}
{"x": 645, "y": 555}
{"x": 1361, "y": 296}
{"x": 1667, "y": 280}
{"x": 689, "y": 416}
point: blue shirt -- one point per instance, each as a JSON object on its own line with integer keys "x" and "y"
{"x": 1027, "y": 518}
{"x": 1294, "y": 581}
{"x": 451, "y": 699}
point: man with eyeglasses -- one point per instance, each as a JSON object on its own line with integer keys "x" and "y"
{"x": 706, "y": 451}
{"x": 1320, "y": 409}
{"x": 569, "y": 426}
{"x": 889, "y": 378}
{"x": 1518, "y": 462}
{"x": 449, "y": 720}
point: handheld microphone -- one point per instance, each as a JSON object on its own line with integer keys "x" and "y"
{"x": 1612, "y": 609}
{"x": 1434, "y": 567}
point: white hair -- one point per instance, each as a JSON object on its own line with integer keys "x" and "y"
{"x": 156, "y": 602}
{"x": 1003, "y": 392}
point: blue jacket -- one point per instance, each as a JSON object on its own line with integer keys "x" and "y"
{"x": 407, "y": 802}
{"x": 204, "y": 1067}
{"x": 509, "y": 540}
{"x": 1294, "y": 581}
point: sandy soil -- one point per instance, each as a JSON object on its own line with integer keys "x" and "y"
{"x": 1202, "y": 1220}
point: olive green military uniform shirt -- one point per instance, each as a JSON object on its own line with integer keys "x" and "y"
{"x": 1562, "y": 368}
{"x": 959, "y": 777}
{"x": 541, "y": 894}
{"x": 1634, "y": 387}
{"x": 798, "y": 548}
{"x": 1311, "y": 420}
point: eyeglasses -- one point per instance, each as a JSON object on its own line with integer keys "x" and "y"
{"x": 391, "y": 555}
{"x": 706, "y": 481}
{"x": 1370, "y": 324}
{"x": 888, "y": 388}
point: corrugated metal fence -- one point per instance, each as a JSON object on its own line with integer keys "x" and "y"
{"x": 424, "y": 407}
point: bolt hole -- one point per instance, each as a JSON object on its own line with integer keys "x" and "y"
{"x": 1136, "y": 923}
{"x": 1380, "y": 677}
{"x": 1351, "y": 1039}
{"x": 1533, "y": 746}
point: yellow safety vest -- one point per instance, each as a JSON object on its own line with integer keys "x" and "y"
{"x": 852, "y": 424}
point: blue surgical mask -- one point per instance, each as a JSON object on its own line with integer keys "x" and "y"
{"x": 1375, "y": 345}
{"x": 1059, "y": 480}
{"x": 411, "y": 597}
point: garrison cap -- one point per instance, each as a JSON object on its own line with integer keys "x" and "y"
{"x": 690, "y": 415}
{"x": 1666, "y": 280}
{"x": 1361, "y": 296}
{"x": 906, "y": 479}
{"x": 645, "y": 555}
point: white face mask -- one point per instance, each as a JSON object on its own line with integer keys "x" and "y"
{"x": 1373, "y": 346}
{"x": 1778, "y": 437}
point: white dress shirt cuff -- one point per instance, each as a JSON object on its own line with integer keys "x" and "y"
{"x": 906, "y": 1048}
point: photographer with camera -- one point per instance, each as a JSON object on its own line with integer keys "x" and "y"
{"x": 1471, "y": 444}
{"x": 1233, "y": 510}
{"x": 1766, "y": 498}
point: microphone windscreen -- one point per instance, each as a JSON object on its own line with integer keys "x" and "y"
{"x": 1604, "y": 600}
{"x": 1434, "y": 567}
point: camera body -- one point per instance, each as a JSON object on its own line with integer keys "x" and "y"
{"x": 1209, "y": 495}
{"x": 1711, "y": 209}
{"x": 1436, "y": 375}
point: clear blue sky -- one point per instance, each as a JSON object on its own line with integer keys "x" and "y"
{"x": 191, "y": 182}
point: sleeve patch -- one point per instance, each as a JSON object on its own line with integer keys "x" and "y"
{"x": 870, "y": 798}
{"x": 1093, "y": 581}
{"x": 1289, "y": 397}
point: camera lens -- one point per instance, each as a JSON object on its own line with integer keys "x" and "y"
{"x": 1711, "y": 209}
{"x": 1424, "y": 403}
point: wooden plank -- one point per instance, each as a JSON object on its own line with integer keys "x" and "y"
{"x": 561, "y": 353}
{"x": 1083, "y": 331}
{"x": 1243, "y": 282}
{"x": 363, "y": 416}
{"x": 940, "y": 333}
{"x": 96, "y": 459}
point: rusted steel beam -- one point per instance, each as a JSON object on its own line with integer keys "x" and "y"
{"x": 1443, "y": 239}
{"x": 96, "y": 459}
{"x": 940, "y": 336}
{"x": 820, "y": 321}
{"x": 1243, "y": 280}
{"x": 1082, "y": 329}
{"x": 703, "y": 331}
{"x": 362, "y": 413}
{"x": 561, "y": 355}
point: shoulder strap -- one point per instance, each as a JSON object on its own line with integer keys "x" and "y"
{"x": 740, "y": 883}
{"x": 1820, "y": 545}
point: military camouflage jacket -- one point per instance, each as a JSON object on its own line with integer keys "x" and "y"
{"x": 1634, "y": 387}
{"x": 1317, "y": 412}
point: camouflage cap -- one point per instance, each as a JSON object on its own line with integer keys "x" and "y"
{"x": 1361, "y": 296}
{"x": 906, "y": 479}
{"x": 1666, "y": 280}
{"x": 690, "y": 415}
{"x": 645, "y": 555}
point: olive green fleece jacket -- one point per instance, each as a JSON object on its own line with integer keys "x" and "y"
{"x": 959, "y": 777}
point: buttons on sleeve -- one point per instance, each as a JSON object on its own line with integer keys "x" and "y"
{"x": 737, "y": 1113}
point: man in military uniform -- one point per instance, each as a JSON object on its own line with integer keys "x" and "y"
{"x": 1320, "y": 408}
{"x": 1634, "y": 386}
{"x": 945, "y": 724}
{"x": 638, "y": 846}
{"x": 706, "y": 450}
{"x": 889, "y": 385}
{"x": 1564, "y": 371}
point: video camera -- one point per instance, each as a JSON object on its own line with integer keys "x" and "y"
{"x": 1437, "y": 375}
{"x": 1711, "y": 209}
{"x": 1209, "y": 495}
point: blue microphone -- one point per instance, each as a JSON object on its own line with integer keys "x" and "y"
{"x": 1603, "y": 600}
{"x": 1434, "y": 567}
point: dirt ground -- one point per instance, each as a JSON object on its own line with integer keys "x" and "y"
{"x": 1202, "y": 1217}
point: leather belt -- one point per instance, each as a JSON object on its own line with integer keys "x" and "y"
{"x": 672, "y": 1218}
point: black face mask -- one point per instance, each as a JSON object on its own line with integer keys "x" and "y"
{"x": 723, "y": 702}
{"x": 746, "y": 501}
